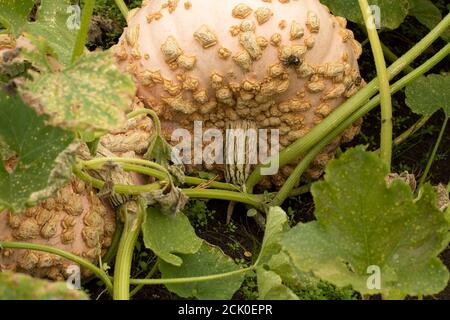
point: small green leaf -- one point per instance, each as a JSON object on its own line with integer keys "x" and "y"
{"x": 90, "y": 95}
{"x": 159, "y": 151}
{"x": 392, "y": 12}
{"x": 167, "y": 235}
{"x": 271, "y": 287}
{"x": 14, "y": 14}
{"x": 44, "y": 155}
{"x": 209, "y": 260}
{"x": 362, "y": 223}
{"x": 426, "y": 95}
{"x": 16, "y": 286}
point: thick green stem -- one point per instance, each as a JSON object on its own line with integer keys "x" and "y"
{"x": 187, "y": 180}
{"x": 383, "y": 78}
{"x": 433, "y": 154}
{"x": 133, "y": 190}
{"x": 295, "y": 176}
{"x": 99, "y": 162}
{"x": 122, "y": 7}
{"x": 80, "y": 42}
{"x": 251, "y": 199}
{"x": 298, "y": 148}
{"x": 392, "y": 57}
{"x": 133, "y": 218}
{"x": 69, "y": 256}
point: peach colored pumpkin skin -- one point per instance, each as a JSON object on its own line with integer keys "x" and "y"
{"x": 74, "y": 220}
{"x": 160, "y": 42}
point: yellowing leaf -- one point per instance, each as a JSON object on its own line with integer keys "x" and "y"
{"x": 90, "y": 95}
{"x": 364, "y": 225}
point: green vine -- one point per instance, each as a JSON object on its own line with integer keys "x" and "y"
{"x": 383, "y": 78}
{"x": 82, "y": 35}
{"x": 72, "y": 257}
{"x": 133, "y": 218}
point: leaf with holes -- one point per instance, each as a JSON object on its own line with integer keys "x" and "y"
{"x": 426, "y": 95}
{"x": 43, "y": 155}
{"x": 168, "y": 236}
{"x": 14, "y": 14}
{"x": 209, "y": 260}
{"x": 362, "y": 222}
{"x": 391, "y": 12}
{"x": 90, "y": 95}
{"x": 52, "y": 24}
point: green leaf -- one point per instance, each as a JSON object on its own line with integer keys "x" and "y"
{"x": 209, "y": 260}
{"x": 159, "y": 151}
{"x": 271, "y": 287}
{"x": 167, "y": 235}
{"x": 16, "y": 286}
{"x": 90, "y": 95}
{"x": 362, "y": 223}
{"x": 51, "y": 25}
{"x": 392, "y": 12}
{"x": 427, "y": 14}
{"x": 276, "y": 225}
{"x": 426, "y": 95}
{"x": 44, "y": 155}
{"x": 270, "y": 284}
{"x": 14, "y": 14}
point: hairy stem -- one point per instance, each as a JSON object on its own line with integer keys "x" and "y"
{"x": 67, "y": 255}
{"x": 132, "y": 226}
{"x": 433, "y": 154}
{"x": 352, "y": 105}
{"x": 80, "y": 41}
